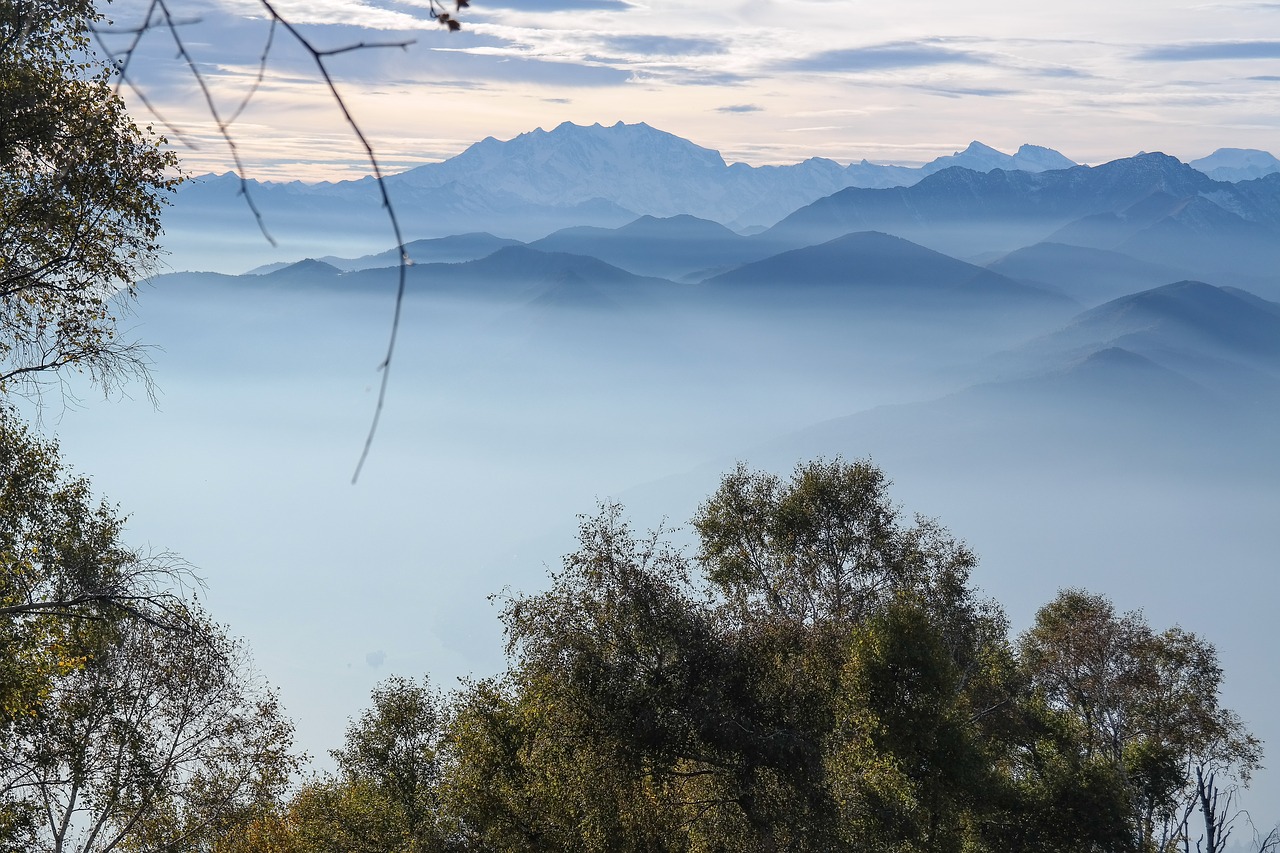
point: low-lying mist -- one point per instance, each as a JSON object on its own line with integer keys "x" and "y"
{"x": 519, "y": 401}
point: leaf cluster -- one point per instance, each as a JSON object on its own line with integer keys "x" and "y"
{"x": 81, "y": 192}
{"x": 128, "y": 720}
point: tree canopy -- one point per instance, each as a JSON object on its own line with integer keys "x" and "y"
{"x": 128, "y": 719}
{"x": 819, "y": 674}
{"x": 81, "y": 191}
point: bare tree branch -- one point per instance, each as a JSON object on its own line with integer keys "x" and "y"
{"x": 159, "y": 15}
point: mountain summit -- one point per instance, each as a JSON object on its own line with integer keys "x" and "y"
{"x": 984, "y": 158}
{"x": 642, "y": 169}
{"x": 1237, "y": 164}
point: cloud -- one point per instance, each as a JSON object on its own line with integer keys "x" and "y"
{"x": 1211, "y": 50}
{"x": 886, "y": 57}
{"x": 375, "y": 659}
{"x": 1062, "y": 71}
{"x": 963, "y": 91}
{"x": 666, "y": 45}
{"x": 508, "y": 68}
{"x": 1247, "y": 6}
{"x": 559, "y": 5}
{"x": 1266, "y": 78}
{"x": 739, "y": 108}
{"x": 689, "y": 76}
{"x": 355, "y": 13}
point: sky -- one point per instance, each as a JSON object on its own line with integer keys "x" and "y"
{"x": 760, "y": 81}
{"x": 263, "y": 437}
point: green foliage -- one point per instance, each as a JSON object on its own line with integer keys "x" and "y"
{"x": 645, "y": 710}
{"x": 127, "y": 719}
{"x": 906, "y": 761}
{"x": 818, "y": 549}
{"x": 385, "y": 795}
{"x": 820, "y": 677}
{"x": 56, "y": 546}
{"x": 81, "y": 190}
{"x": 1145, "y": 703}
{"x": 582, "y": 744}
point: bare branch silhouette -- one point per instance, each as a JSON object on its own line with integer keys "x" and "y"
{"x": 159, "y": 15}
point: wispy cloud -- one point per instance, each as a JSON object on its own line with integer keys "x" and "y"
{"x": 1248, "y": 5}
{"x": 967, "y": 91}
{"x": 1211, "y": 50}
{"x": 886, "y": 57}
{"x": 486, "y": 64}
{"x": 739, "y": 108}
{"x": 686, "y": 75}
{"x": 1064, "y": 72}
{"x": 651, "y": 45}
{"x": 559, "y": 5}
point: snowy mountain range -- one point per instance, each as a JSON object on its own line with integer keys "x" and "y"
{"x": 544, "y": 181}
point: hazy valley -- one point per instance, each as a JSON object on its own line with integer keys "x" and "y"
{"x": 1076, "y": 369}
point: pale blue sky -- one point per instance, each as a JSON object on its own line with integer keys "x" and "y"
{"x": 761, "y": 81}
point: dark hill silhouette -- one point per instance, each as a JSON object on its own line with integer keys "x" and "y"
{"x": 515, "y": 272}
{"x": 458, "y": 248}
{"x": 876, "y": 267}
{"x": 305, "y": 271}
{"x": 670, "y": 247}
{"x": 1180, "y": 316}
{"x": 1087, "y": 274}
{"x": 529, "y": 264}
{"x": 1224, "y": 339}
{"x": 1113, "y": 374}
{"x": 965, "y": 212}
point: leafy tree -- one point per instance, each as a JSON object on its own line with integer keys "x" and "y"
{"x": 906, "y": 761}
{"x": 644, "y": 710}
{"x": 385, "y": 795}
{"x": 584, "y": 743}
{"x": 1146, "y": 702}
{"x": 149, "y": 745}
{"x": 822, "y": 567}
{"x": 128, "y": 719}
{"x": 818, "y": 549}
{"x": 820, "y": 677}
{"x": 81, "y": 190}
{"x": 64, "y": 570}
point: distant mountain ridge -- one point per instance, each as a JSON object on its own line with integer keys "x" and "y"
{"x": 1152, "y": 206}
{"x": 1237, "y": 164}
{"x": 888, "y": 266}
{"x": 640, "y": 168}
{"x": 536, "y": 183}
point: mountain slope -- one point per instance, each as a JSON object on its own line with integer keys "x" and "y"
{"x": 521, "y": 273}
{"x": 1237, "y": 164}
{"x": 1087, "y": 274}
{"x": 880, "y": 269}
{"x": 528, "y": 187}
{"x": 669, "y": 247}
{"x": 961, "y": 212}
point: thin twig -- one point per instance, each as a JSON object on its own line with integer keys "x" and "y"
{"x": 363, "y": 45}
{"x": 120, "y": 62}
{"x": 318, "y": 57}
{"x": 385, "y": 367}
{"x": 262, "y": 72}
{"x": 223, "y": 128}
